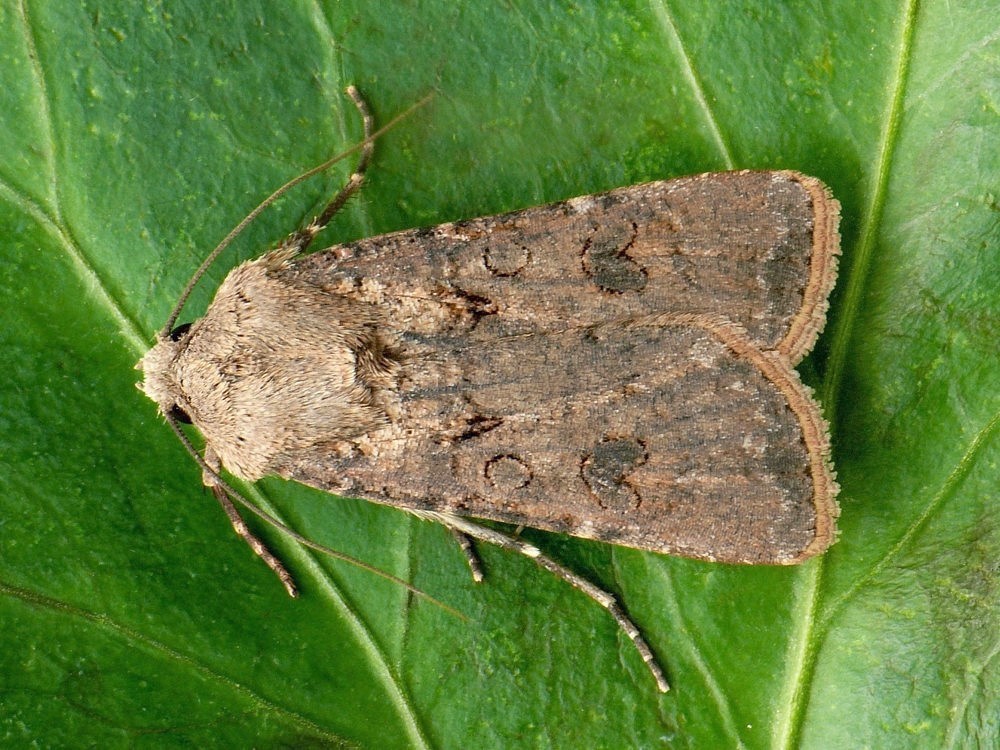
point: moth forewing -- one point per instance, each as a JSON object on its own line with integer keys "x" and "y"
{"x": 616, "y": 366}
{"x": 757, "y": 248}
{"x": 621, "y": 432}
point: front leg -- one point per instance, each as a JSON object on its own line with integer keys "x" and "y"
{"x": 299, "y": 241}
{"x": 210, "y": 478}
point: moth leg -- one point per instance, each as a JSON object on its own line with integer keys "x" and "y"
{"x": 301, "y": 239}
{"x": 240, "y": 527}
{"x": 475, "y": 565}
{"x": 468, "y": 528}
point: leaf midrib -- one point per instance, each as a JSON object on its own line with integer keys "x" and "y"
{"x": 793, "y": 719}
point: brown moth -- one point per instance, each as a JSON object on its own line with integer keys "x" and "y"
{"x": 616, "y": 366}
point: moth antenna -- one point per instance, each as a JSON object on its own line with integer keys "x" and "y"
{"x": 234, "y": 496}
{"x": 259, "y": 548}
{"x": 460, "y": 525}
{"x": 365, "y": 146}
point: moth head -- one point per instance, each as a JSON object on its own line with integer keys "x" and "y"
{"x": 159, "y": 380}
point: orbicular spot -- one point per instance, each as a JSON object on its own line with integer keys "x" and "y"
{"x": 507, "y": 472}
{"x": 606, "y": 260}
{"x": 605, "y": 471}
{"x": 504, "y": 259}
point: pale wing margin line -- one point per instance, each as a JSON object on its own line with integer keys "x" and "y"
{"x": 809, "y": 321}
{"x": 662, "y": 14}
{"x": 136, "y": 637}
{"x": 777, "y": 369}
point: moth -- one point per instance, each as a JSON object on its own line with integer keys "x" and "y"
{"x": 617, "y": 367}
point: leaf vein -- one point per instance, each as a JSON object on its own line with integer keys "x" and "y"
{"x": 662, "y": 13}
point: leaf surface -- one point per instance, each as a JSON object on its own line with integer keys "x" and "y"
{"x": 134, "y": 137}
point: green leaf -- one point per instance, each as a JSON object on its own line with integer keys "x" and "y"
{"x": 134, "y": 137}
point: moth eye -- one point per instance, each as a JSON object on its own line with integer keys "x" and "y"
{"x": 178, "y": 414}
{"x": 179, "y": 331}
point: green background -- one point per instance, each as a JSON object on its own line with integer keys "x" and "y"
{"x": 135, "y": 135}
